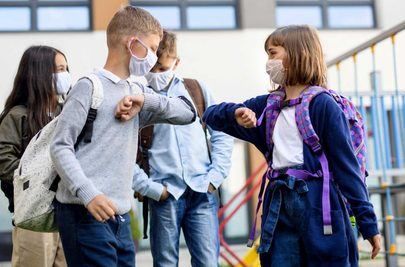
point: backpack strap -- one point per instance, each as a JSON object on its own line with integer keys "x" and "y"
{"x": 96, "y": 100}
{"x": 193, "y": 87}
{"x": 87, "y": 131}
{"x": 310, "y": 138}
{"x": 142, "y": 159}
{"x": 271, "y": 113}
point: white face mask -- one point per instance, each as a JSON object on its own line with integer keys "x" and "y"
{"x": 141, "y": 66}
{"x": 160, "y": 80}
{"x": 275, "y": 69}
{"x": 63, "y": 82}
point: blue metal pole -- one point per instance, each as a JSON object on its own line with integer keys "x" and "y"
{"x": 386, "y": 139}
{"x": 384, "y": 182}
{"x": 363, "y": 113}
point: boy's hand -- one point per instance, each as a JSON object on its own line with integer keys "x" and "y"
{"x": 165, "y": 195}
{"x": 138, "y": 196}
{"x": 102, "y": 208}
{"x": 375, "y": 242}
{"x": 129, "y": 107}
{"x": 245, "y": 117}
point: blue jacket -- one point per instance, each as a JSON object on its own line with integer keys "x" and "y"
{"x": 332, "y": 128}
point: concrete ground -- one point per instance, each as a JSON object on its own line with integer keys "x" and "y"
{"x": 144, "y": 258}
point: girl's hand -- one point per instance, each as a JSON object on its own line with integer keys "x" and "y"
{"x": 245, "y": 117}
{"x": 129, "y": 107}
{"x": 375, "y": 241}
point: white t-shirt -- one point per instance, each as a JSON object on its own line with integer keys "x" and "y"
{"x": 288, "y": 144}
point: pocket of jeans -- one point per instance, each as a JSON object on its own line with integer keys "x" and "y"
{"x": 329, "y": 247}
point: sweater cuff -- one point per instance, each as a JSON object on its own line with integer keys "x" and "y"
{"x": 151, "y": 102}
{"x": 87, "y": 192}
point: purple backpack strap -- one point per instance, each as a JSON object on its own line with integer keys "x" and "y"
{"x": 271, "y": 113}
{"x": 310, "y": 138}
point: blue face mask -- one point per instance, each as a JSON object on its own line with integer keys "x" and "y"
{"x": 141, "y": 66}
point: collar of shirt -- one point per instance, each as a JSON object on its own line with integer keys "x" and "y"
{"x": 112, "y": 77}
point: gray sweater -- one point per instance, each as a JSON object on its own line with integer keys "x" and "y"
{"x": 106, "y": 165}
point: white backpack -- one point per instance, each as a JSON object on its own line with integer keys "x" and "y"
{"x": 36, "y": 180}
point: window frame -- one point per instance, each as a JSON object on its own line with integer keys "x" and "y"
{"x": 324, "y": 4}
{"x": 33, "y": 5}
{"x": 184, "y": 4}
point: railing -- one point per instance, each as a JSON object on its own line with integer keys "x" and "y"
{"x": 249, "y": 189}
{"x": 384, "y": 112}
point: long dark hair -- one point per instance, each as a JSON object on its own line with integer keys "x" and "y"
{"x": 34, "y": 87}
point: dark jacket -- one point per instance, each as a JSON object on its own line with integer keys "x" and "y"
{"x": 13, "y": 140}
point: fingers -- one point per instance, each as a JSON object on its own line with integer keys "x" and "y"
{"x": 376, "y": 247}
{"x": 113, "y": 206}
{"x": 102, "y": 208}
{"x": 375, "y": 241}
{"x": 246, "y": 117}
{"x": 124, "y": 107}
{"x": 96, "y": 215}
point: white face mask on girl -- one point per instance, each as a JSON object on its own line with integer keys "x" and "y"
{"x": 160, "y": 80}
{"x": 275, "y": 69}
{"x": 63, "y": 82}
{"x": 141, "y": 66}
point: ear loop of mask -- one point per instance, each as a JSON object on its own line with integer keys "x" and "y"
{"x": 145, "y": 46}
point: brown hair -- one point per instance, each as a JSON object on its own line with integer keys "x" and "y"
{"x": 304, "y": 62}
{"x": 168, "y": 45}
{"x": 131, "y": 20}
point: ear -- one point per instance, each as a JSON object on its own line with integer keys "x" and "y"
{"x": 177, "y": 64}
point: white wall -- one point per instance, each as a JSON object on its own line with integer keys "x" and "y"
{"x": 230, "y": 62}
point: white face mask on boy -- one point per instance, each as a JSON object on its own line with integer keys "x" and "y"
{"x": 63, "y": 82}
{"x": 275, "y": 69}
{"x": 141, "y": 66}
{"x": 160, "y": 80}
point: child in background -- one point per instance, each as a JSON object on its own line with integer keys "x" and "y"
{"x": 42, "y": 79}
{"x": 292, "y": 226}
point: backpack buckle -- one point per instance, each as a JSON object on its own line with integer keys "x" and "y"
{"x": 313, "y": 142}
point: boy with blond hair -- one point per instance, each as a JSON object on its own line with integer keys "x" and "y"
{"x": 95, "y": 192}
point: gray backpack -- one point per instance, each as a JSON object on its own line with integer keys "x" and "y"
{"x": 36, "y": 179}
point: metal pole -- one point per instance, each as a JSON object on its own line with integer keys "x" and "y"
{"x": 392, "y": 258}
{"x": 398, "y": 120}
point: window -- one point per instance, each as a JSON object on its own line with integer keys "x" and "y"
{"x": 193, "y": 14}
{"x": 332, "y": 14}
{"x": 45, "y": 15}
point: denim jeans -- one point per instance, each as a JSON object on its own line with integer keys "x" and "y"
{"x": 196, "y": 214}
{"x": 87, "y": 242}
{"x": 292, "y": 229}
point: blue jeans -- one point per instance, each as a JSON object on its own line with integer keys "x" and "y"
{"x": 292, "y": 229}
{"x": 196, "y": 214}
{"x": 87, "y": 242}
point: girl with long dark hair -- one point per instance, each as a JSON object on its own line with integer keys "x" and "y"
{"x": 40, "y": 85}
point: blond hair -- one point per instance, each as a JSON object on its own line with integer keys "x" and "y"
{"x": 304, "y": 62}
{"x": 129, "y": 21}
{"x": 168, "y": 45}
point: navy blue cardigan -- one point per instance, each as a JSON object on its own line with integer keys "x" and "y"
{"x": 332, "y": 128}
